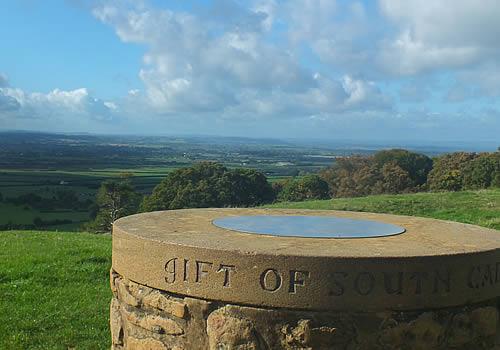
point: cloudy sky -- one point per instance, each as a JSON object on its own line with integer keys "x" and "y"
{"x": 402, "y": 69}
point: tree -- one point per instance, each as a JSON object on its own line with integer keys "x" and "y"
{"x": 482, "y": 172}
{"x": 388, "y": 171}
{"x": 367, "y": 180}
{"x": 340, "y": 177}
{"x": 416, "y": 165}
{"x": 209, "y": 184}
{"x": 395, "y": 179}
{"x": 304, "y": 188}
{"x": 247, "y": 188}
{"x": 278, "y": 186}
{"x": 38, "y": 222}
{"x": 447, "y": 173}
{"x": 114, "y": 199}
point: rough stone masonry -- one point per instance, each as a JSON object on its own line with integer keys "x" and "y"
{"x": 180, "y": 282}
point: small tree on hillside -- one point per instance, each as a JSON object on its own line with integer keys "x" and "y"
{"x": 340, "y": 177}
{"x": 416, "y": 165}
{"x": 447, "y": 173}
{"x": 305, "y": 188}
{"x": 482, "y": 172}
{"x": 246, "y": 188}
{"x": 395, "y": 179}
{"x": 114, "y": 199}
{"x": 209, "y": 184}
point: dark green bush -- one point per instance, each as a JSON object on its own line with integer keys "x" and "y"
{"x": 209, "y": 184}
{"x": 304, "y": 188}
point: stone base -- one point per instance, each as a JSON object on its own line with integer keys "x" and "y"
{"x": 149, "y": 319}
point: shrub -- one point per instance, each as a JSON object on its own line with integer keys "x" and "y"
{"x": 461, "y": 170}
{"x": 416, "y": 165}
{"x": 482, "y": 172}
{"x": 447, "y": 173}
{"x": 209, "y": 184}
{"x": 390, "y": 171}
{"x": 305, "y": 188}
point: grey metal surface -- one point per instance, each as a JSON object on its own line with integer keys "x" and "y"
{"x": 308, "y": 226}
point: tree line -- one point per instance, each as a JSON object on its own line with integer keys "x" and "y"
{"x": 210, "y": 184}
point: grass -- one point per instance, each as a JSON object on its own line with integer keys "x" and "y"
{"x": 54, "y": 290}
{"x": 471, "y": 207}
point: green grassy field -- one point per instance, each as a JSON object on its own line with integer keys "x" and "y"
{"x": 471, "y": 207}
{"x": 20, "y": 215}
{"x": 54, "y": 291}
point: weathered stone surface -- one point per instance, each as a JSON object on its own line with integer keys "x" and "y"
{"x": 162, "y": 302}
{"x": 145, "y": 344}
{"x": 154, "y": 323}
{"x": 218, "y": 326}
{"x": 433, "y": 264}
{"x": 179, "y": 282}
{"x": 116, "y": 323}
{"x": 226, "y": 331}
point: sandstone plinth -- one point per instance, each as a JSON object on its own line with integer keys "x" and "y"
{"x": 181, "y": 282}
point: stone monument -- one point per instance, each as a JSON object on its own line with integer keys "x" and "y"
{"x": 251, "y": 279}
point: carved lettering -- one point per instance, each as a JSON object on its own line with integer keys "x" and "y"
{"x": 393, "y": 288}
{"x": 186, "y": 269}
{"x": 338, "y": 287}
{"x": 364, "y": 283}
{"x": 227, "y": 269}
{"x": 480, "y": 276}
{"x": 487, "y": 276}
{"x": 270, "y": 280}
{"x": 419, "y": 278}
{"x": 200, "y": 269}
{"x": 444, "y": 280}
{"x": 392, "y": 283}
{"x": 297, "y": 278}
{"x": 170, "y": 269}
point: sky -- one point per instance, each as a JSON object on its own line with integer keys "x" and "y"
{"x": 325, "y": 69}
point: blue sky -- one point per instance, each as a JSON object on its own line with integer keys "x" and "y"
{"x": 299, "y": 68}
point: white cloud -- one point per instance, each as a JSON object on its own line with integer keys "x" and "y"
{"x": 439, "y": 34}
{"x": 222, "y": 62}
{"x": 8, "y": 103}
{"x": 324, "y": 63}
{"x": 340, "y": 34}
{"x": 74, "y": 106}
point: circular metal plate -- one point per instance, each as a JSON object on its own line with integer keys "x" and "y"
{"x": 308, "y": 226}
{"x": 434, "y": 264}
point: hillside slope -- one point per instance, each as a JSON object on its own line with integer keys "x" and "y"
{"x": 54, "y": 290}
{"x": 472, "y": 207}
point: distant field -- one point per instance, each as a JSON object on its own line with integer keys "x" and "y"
{"x": 20, "y": 215}
{"x": 471, "y": 207}
{"x": 16, "y": 182}
{"x": 54, "y": 290}
{"x": 45, "y": 183}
